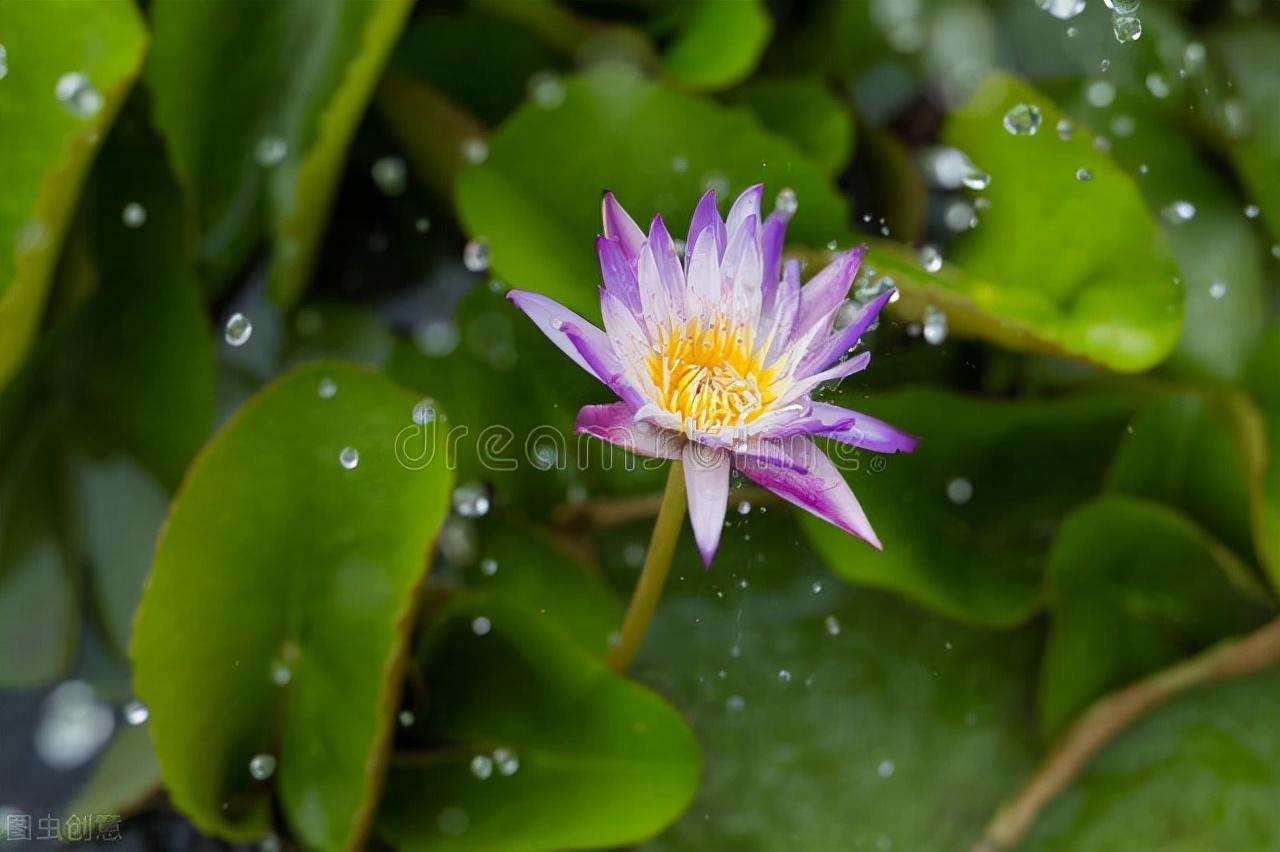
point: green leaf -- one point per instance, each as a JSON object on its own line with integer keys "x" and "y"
{"x": 1079, "y": 265}
{"x": 654, "y": 148}
{"x": 299, "y": 73}
{"x": 900, "y": 731}
{"x": 48, "y": 146}
{"x": 716, "y": 43}
{"x": 1202, "y": 773}
{"x": 1134, "y": 586}
{"x": 980, "y": 560}
{"x": 1180, "y": 450}
{"x": 803, "y": 110}
{"x": 1264, "y": 453}
{"x": 276, "y": 557}
{"x": 602, "y": 761}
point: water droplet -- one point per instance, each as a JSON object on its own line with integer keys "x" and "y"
{"x": 832, "y": 625}
{"x": 934, "y": 326}
{"x": 744, "y": 507}
{"x": 390, "y": 174}
{"x": 424, "y": 412}
{"x": 974, "y": 178}
{"x": 327, "y": 389}
{"x": 959, "y": 491}
{"x": 73, "y": 725}
{"x": 1104, "y": 66}
{"x": 1127, "y": 28}
{"x": 1022, "y": 120}
{"x": 488, "y": 567}
{"x": 680, "y": 164}
{"x": 481, "y": 625}
{"x": 471, "y": 500}
{"x": 1251, "y": 211}
{"x": 547, "y": 89}
{"x": 349, "y": 457}
{"x": 270, "y": 151}
{"x": 1275, "y": 250}
{"x": 735, "y": 703}
{"x": 716, "y": 181}
{"x": 1157, "y": 85}
{"x": 482, "y": 766}
{"x": 1143, "y": 168}
{"x": 4, "y": 62}
{"x": 475, "y": 150}
{"x": 1100, "y": 93}
{"x": 1193, "y": 56}
{"x": 885, "y": 769}
{"x": 507, "y": 760}
{"x": 238, "y": 330}
{"x": 1062, "y": 9}
{"x": 1122, "y": 126}
{"x": 77, "y": 95}
{"x": 1179, "y": 212}
{"x": 787, "y": 202}
{"x": 1084, "y": 175}
{"x": 884, "y": 843}
{"x": 475, "y": 257}
{"x": 135, "y": 712}
{"x": 959, "y": 216}
{"x": 633, "y": 554}
{"x": 1072, "y": 32}
{"x": 262, "y": 766}
{"x": 134, "y": 215}
{"x": 436, "y": 337}
{"x": 1122, "y": 7}
{"x": 406, "y": 718}
{"x": 930, "y": 257}
{"x": 422, "y": 224}
{"x": 1101, "y": 143}
{"x": 270, "y": 843}
{"x": 281, "y": 674}
{"x": 817, "y": 587}
{"x": 1217, "y": 289}
{"x": 453, "y": 821}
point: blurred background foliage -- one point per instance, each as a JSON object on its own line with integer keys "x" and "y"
{"x": 252, "y": 258}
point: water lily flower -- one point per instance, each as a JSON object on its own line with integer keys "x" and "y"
{"x": 715, "y": 360}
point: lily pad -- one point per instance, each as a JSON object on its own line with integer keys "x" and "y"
{"x": 803, "y": 110}
{"x": 286, "y": 577}
{"x": 1134, "y": 587}
{"x": 716, "y": 44}
{"x": 51, "y": 139}
{"x": 570, "y": 755}
{"x": 976, "y": 484}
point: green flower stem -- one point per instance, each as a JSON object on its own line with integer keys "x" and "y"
{"x": 653, "y": 576}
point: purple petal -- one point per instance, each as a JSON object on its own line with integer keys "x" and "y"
{"x": 552, "y": 317}
{"x": 618, "y": 225}
{"x": 744, "y": 207}
{"x": 669, "y": 268}
{"x": 822, "y": 490}
{"x": 619, "y": 273}
{"x": 705, "y": 283}
{"x": 784, "y": 314}
{"x": 603, "y": 362}
{"x": 821, "y": 354}
{"x": 804, "y": 385}
{"x": 825, "y": 291}
{"x": 857, "y": 429}
{"x": 616, "y": 424}
{"x": 705, "y": 215}
{"x": 706, "y": 478}
{"x": 771, "y": 240}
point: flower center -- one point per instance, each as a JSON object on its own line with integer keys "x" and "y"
{"x": 712, "y": 378}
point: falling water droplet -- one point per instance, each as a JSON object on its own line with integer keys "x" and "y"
{"x": 281, "y": 674}
{"x": 390, "y": 174}
{"x": 1122, "y": 126}
{"x": 817, "y": 587}
{"x": 735, "y": 703}
{"x": 508, "y": 762}
{"x": 1100, "y": 93}
{"x": 885, "y": 769}
{"x": 930, "y": 257}
{"x": 1065, "y": 129}
{"x": 1062, "y": 9}
{"x": 349, "y": 457}
{"x": 480, "y": 625}
{"x": 1122, "y": 7}
{"x": 238, "y": 329}
{"x": 327, "y": 389}
{"x": 134, "y": 215}
{"x": 680, "y": 164}
{"x": 262, "y": 766}
{"x": 406, "y": 718}
{"x": 1022, "y": 120}
{"x": 934, "y": 326}
{"x": 424, "y": 412}
{"x": 547, "y": 89}
{"x": 1179, "y": 212}
{"x": 974, "y": 178}
{"x": 744, "y": 507}
{"x": 1127, "y": 28}
{"x": 787, "y": 202}
{"x": 471, "y": 500}
{"x": 436, "y": 337}
{"x": 1084, "y": 175}
{"x": 1251, "y": 211}
{"x": 270, "y": 151}
{"x": 482, "y": 766}
{"x": 832, "y": 625}
{"x": 959, "y": 491}
{"x": 1157, "y": 85}
{"x": 77, "y": 94}
{"x": 960, "y": 216}
{"x": 73, "y": 725}
{"x": 488, "y": 567}
{"x": 1104, "y": 66}
{"x": 1217, "y": 289}
{"x": 475, "y": 257}
{"x": 135, "y": 712}
{"x": 475, "y": 150}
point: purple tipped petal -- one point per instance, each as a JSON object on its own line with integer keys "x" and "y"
{"x": 618, "y": 225}
{"x": 668, "y": 262}
{"x": 705, "y": 283}
{"x": 845, "y": 368}
{"x": 822, "y": 353}
{"x": 771, "y": 241}
{"x": 616, "y": 424}
{"x": 784, "y": 314}
{"x": 603, "y": 363}
{"x": 705, "y": 215}
{"x": 744, "y": 207}
{"x": 857, "y": 429}
{"x": 822, "y": 490}
{"x": 619, "y": 273}
{"x": 706, "y": 478}
{"x": 552, "y": 317}
{"x": 820, "y": 298}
